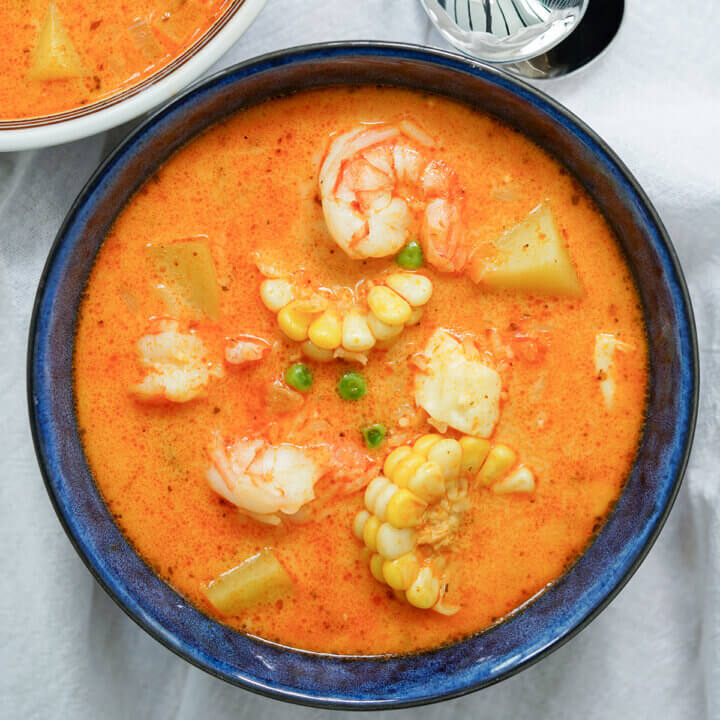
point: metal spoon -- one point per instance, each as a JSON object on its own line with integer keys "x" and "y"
{"x": 586, "y": 43}
{"x": 532, "y": 38}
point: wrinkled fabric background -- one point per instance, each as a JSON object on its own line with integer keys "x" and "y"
{"x": 67, "y": 651}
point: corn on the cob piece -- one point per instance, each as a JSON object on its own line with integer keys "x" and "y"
{"x": 402, "y": 505}
{"x": 390, "y": 308}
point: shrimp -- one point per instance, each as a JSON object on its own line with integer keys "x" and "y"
{"x": 270, "y": 479}
{"x": 177, "y": 370}
{"x": 246, "y": 349}
{"x": 265, "y": 481}
{"x": 379, "y": 184}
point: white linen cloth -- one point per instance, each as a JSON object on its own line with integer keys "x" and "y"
{"x": 66, "y": 650}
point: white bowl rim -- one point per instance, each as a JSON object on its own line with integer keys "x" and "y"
{"x": 157, "y": 92}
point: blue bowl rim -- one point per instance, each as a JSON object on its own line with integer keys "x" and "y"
{"x": 455, "y": 61}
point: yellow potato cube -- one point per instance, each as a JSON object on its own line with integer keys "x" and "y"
{"x": 259, "y": 579}
{"x": 55, "y": 55}
{"x": 530, "y": 257}
{"x": 189, "y": 268}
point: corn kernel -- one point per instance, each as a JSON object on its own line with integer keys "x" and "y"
{"x": 388, "y": 306}
{"x": 381, "y": 503}
{"x": 380, "y": 330}
{"x": 415, "y": 317}
{"x": 293, "y": 322}
{"x": 405, "y": 509}
{"x": 312, "y": 351}
{"x": 359, "y": 523}
{"x": 326, "y": 331}
{"x": 376, "y": 567}
{"x": 424, "y": 443}
{"x": 414, "y": 288}
{"x": 373, "y": 490}
{"x": 392, "y": 460}
{"x": 400, "y": 573}
{"x": 400, "y": 596}
{"x": 519, "y": 481}
{"x": 474, "y": 452}
{"x": 406, "y": 469}
{"x": 500, "y": 459}
{"x": 392, "y": 542}
{"x": 356, "y": 334}
{"x": 370, "y": 533}
{"x": 428, "y": 482}
{"x": 276, "y": 294}
{"x": 447, "y": 453}
{"x": 425, "y": 590}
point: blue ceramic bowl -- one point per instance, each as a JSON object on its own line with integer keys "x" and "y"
{"x": 367, "y": 682}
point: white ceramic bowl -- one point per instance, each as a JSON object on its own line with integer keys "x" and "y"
{"x": 80, "y": 122}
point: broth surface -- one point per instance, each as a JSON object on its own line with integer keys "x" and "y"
{"x": 119, "y": 44}
{"x": 249, "y": 185}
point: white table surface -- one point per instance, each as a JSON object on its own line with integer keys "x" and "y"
{"x": 66, "y": 651}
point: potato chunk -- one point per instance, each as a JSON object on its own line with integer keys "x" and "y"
{"x": 259, "y": 579}
{"x": 530, "y": 257}
{"x": 189, "y": 268}
{"x": 55, "y": 56}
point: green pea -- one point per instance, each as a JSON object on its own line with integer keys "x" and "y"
{"x": 299, "y": 376}
{"x": 411, "y": 256}
{"x": 374, "y": 435}
{"x": 351, "y": 386}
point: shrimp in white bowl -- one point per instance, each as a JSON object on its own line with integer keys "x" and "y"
{"x": 176, "y": 364}
{"x": 380, "y": 185}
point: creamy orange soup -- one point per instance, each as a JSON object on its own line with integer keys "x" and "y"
{"x": 571, "y": 366}
{"x": 66, "y": 53}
